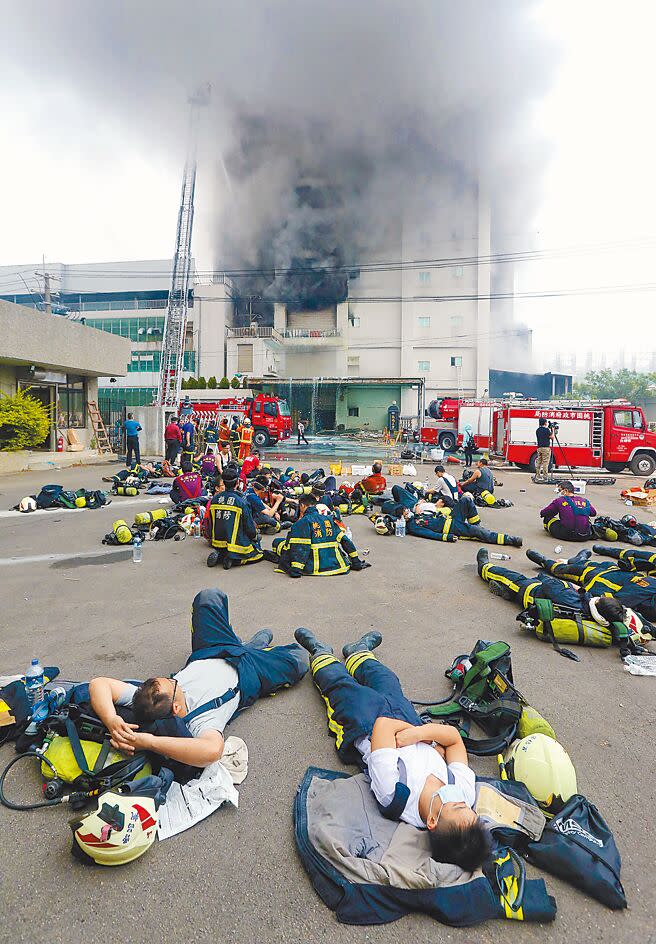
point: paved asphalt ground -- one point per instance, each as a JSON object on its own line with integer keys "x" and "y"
{"x": 236, "y": 876}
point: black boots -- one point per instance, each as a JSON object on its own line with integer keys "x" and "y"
{"x": 512, "y": 541}
{"x": 307, "y": 639}
{"x": 537, "y": 558}
{"x": 261, "y": 639}
{"x": 366, "y": 643}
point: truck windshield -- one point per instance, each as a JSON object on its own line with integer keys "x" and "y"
{"x": 629, "y": 419}
{"x": 284, "y": 408}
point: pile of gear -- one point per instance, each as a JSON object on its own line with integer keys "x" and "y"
{"x": 158, "y": 525}
{"x": 56, "y": 497}
{"x": 627, "y": 529}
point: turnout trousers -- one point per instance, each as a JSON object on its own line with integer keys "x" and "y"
{"x": 525, "y": 590}
{"x": 355, "y": 695}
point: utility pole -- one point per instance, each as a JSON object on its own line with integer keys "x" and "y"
{"x": 47, "y": 295}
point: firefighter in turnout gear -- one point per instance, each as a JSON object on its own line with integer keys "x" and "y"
{"x": 316, "y": 545}
{"x": 634, "y": 590}
{"x": 245, "y": 439}
{"x": 434, "y": 521}
{"x": 629, "y": 559}
{"x": 523, "y": 590}
{"x": 230, "y": 527}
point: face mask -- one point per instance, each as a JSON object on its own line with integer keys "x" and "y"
{"x": 449, "y": 793}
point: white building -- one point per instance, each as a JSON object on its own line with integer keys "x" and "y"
{"x": 421, "y": 313}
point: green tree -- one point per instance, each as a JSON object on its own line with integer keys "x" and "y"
{"x": 211, "y": 383}
{"x": 189, "y": 383}
{"x": 201, "y": 383}
{"x": 24, "y": 421}
{"x": 612, "y": 385}
{"x": 235, "y": 383}
{"x": 224, "y": 384}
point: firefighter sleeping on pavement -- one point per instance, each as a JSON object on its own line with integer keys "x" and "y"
{"x": 316, "y": 545}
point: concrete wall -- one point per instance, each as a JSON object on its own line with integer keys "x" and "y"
{"x": 7, "y": 379}
{"x": 30, "y": 337}
{"x": 151, "y": 438}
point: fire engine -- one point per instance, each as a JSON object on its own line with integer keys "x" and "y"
{"x": 590, "y": 434}
{"x": 603, "y": 434}
{"x": 269, "y": 416}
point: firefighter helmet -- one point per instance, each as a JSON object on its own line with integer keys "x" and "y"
{"x": 121, "y": 828}
{"x": 545, "y": 768}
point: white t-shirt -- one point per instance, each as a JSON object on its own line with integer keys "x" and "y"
{"x": 420, "y": 761}
{"x": 446, "y": 485}
{"x": 201, "y": 681}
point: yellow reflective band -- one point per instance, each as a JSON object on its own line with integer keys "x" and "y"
{"x": 321, "y": 661}
{"x": 353, "y": 554}
{"x": 531, "y": 587}
{"x": 354, "y": 662}
{"x": 447, "y": 527}
{"x": 300, "y": 540}
{"x": 334, "y": 726}
{"x": 298, "y": 565}
{"x": 485, "y": 570}
{"x": 474, "y": 520}
{"x": 501, "y": 539}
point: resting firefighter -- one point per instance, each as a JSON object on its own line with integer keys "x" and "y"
{"x": 434, "y": 521}
{"x": 585, "y": 612}
{"x": 634, "y": 590}
{"x": 642, "y": 561}
{"x": 418, "y": 773}
{"x": 316, "y": 545}
{"x": 186, "y": 714}
{"x": 229, "y": 525}
{"x": 567, "y": 518}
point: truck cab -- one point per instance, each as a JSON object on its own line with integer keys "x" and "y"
{"x": 627, "y": 440}
{"x": 270, "y": 418}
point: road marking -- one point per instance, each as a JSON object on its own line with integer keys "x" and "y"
{"x": 50, "y": 512}
{"x": 48, "y": 558}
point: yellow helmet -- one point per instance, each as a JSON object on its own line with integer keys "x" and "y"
{"x": 383, "y": 524}
{"x": 120, "y": 829}
{"x": 81, "y": 501}
{"x": 544, "y": 767}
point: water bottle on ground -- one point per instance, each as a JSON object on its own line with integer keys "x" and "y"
{"x": 399, "y": 528}
{"x": 349, "y": 534}
{"x": 496, "y": 556}
{"x": 34, "y": 683}
{"x": 137, "y": 550}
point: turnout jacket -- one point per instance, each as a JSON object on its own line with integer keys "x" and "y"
{"x": 231, "y": 526}
{"x": 317, "y": 546}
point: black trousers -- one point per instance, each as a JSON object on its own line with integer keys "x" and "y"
{"x": 302, "y": 436}
{"x": 173, "y": 447}
{"x": 132, "y": 450}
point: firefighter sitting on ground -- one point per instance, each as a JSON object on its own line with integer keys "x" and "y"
{"x": 317, "y": 545}
{"x": 567, "y": 517}
{"x": 229, "y": 526}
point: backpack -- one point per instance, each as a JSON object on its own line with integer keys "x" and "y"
{"x": 54, "y": 496}
{"x": 554, "y": 623}
{"x": 483, "y": 694}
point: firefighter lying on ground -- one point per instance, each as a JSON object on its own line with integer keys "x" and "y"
{"x": 419, "y": 773}
{"x": 189, "y": 710}
{"x": 317, "y": 545}
{"x": 605, "y": 611}
{"x": 433, "y": 520}
{"x": 634, "y": 590}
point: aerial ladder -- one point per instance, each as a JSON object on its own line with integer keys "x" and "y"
{"x": 175, "y": 323}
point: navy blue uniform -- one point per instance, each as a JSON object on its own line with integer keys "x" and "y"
{"x": 316, "y": 546}
{"x": 261, "y": 671}
{"x": 232, "y": 529}
{"x": 461, "y": 521}
{"x": 356, "y": 695}
{"x": 526, "y": 590}
{"x": 641, "y": 561}
{"x": 637, "y": 591}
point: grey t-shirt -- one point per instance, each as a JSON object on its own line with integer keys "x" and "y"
{"x": 202, "y": 681}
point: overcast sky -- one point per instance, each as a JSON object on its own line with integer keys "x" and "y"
{"x": 79, "y": 186}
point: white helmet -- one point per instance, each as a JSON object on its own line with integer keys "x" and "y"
{"x": 120, "y": 829}
{"x": 27, "y": 504}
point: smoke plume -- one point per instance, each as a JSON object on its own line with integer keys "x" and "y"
{"x": 330, "y": 119}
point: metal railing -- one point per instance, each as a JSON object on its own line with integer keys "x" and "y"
{"x": 258, "y": 332}
{"x": 311, "y": 333}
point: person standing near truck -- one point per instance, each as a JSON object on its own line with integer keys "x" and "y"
{"x": 544, "y": 437}
{"x": 132, "y": 452}
{"x": 172, "y": 440}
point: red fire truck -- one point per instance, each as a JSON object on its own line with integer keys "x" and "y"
{"x": 269, "y": 415}
{"x": 610, "y": 435}
{"x": 449, "y": 417}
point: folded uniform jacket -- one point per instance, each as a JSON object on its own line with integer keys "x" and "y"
{"x": 372, "y": 870}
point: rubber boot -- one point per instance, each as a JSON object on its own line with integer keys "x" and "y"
{"x": 512, "y": 540}
{"x": 482, "y": 558}
{"x": 262, "y": 639}
{"x": 580, "y": 558}
{"x": 213, "y": 558}
{"x": 537, "y": 558}
{"x": 604, "y": 551}
{"x": 307, "y": 639}
{"x": 366, "y": 643}
{"x": 227, "y": 563}
{"x": 270, "y": 556}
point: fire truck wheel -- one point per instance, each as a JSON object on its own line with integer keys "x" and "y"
{"x": 447, "y": 442}
{"x": 261, "y": 438}
{"x": 533, "y": 463}
{"x": 643, "y": 464}
{"x": 614, "y": 467}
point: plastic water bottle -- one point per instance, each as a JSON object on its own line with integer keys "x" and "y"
{"x": 137, "y": 552}
{"x": 34, "y": 683}
{"x": 399, "y": 528}
{"x": 349, "y": 534}
{"x": 496, "y": 556}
